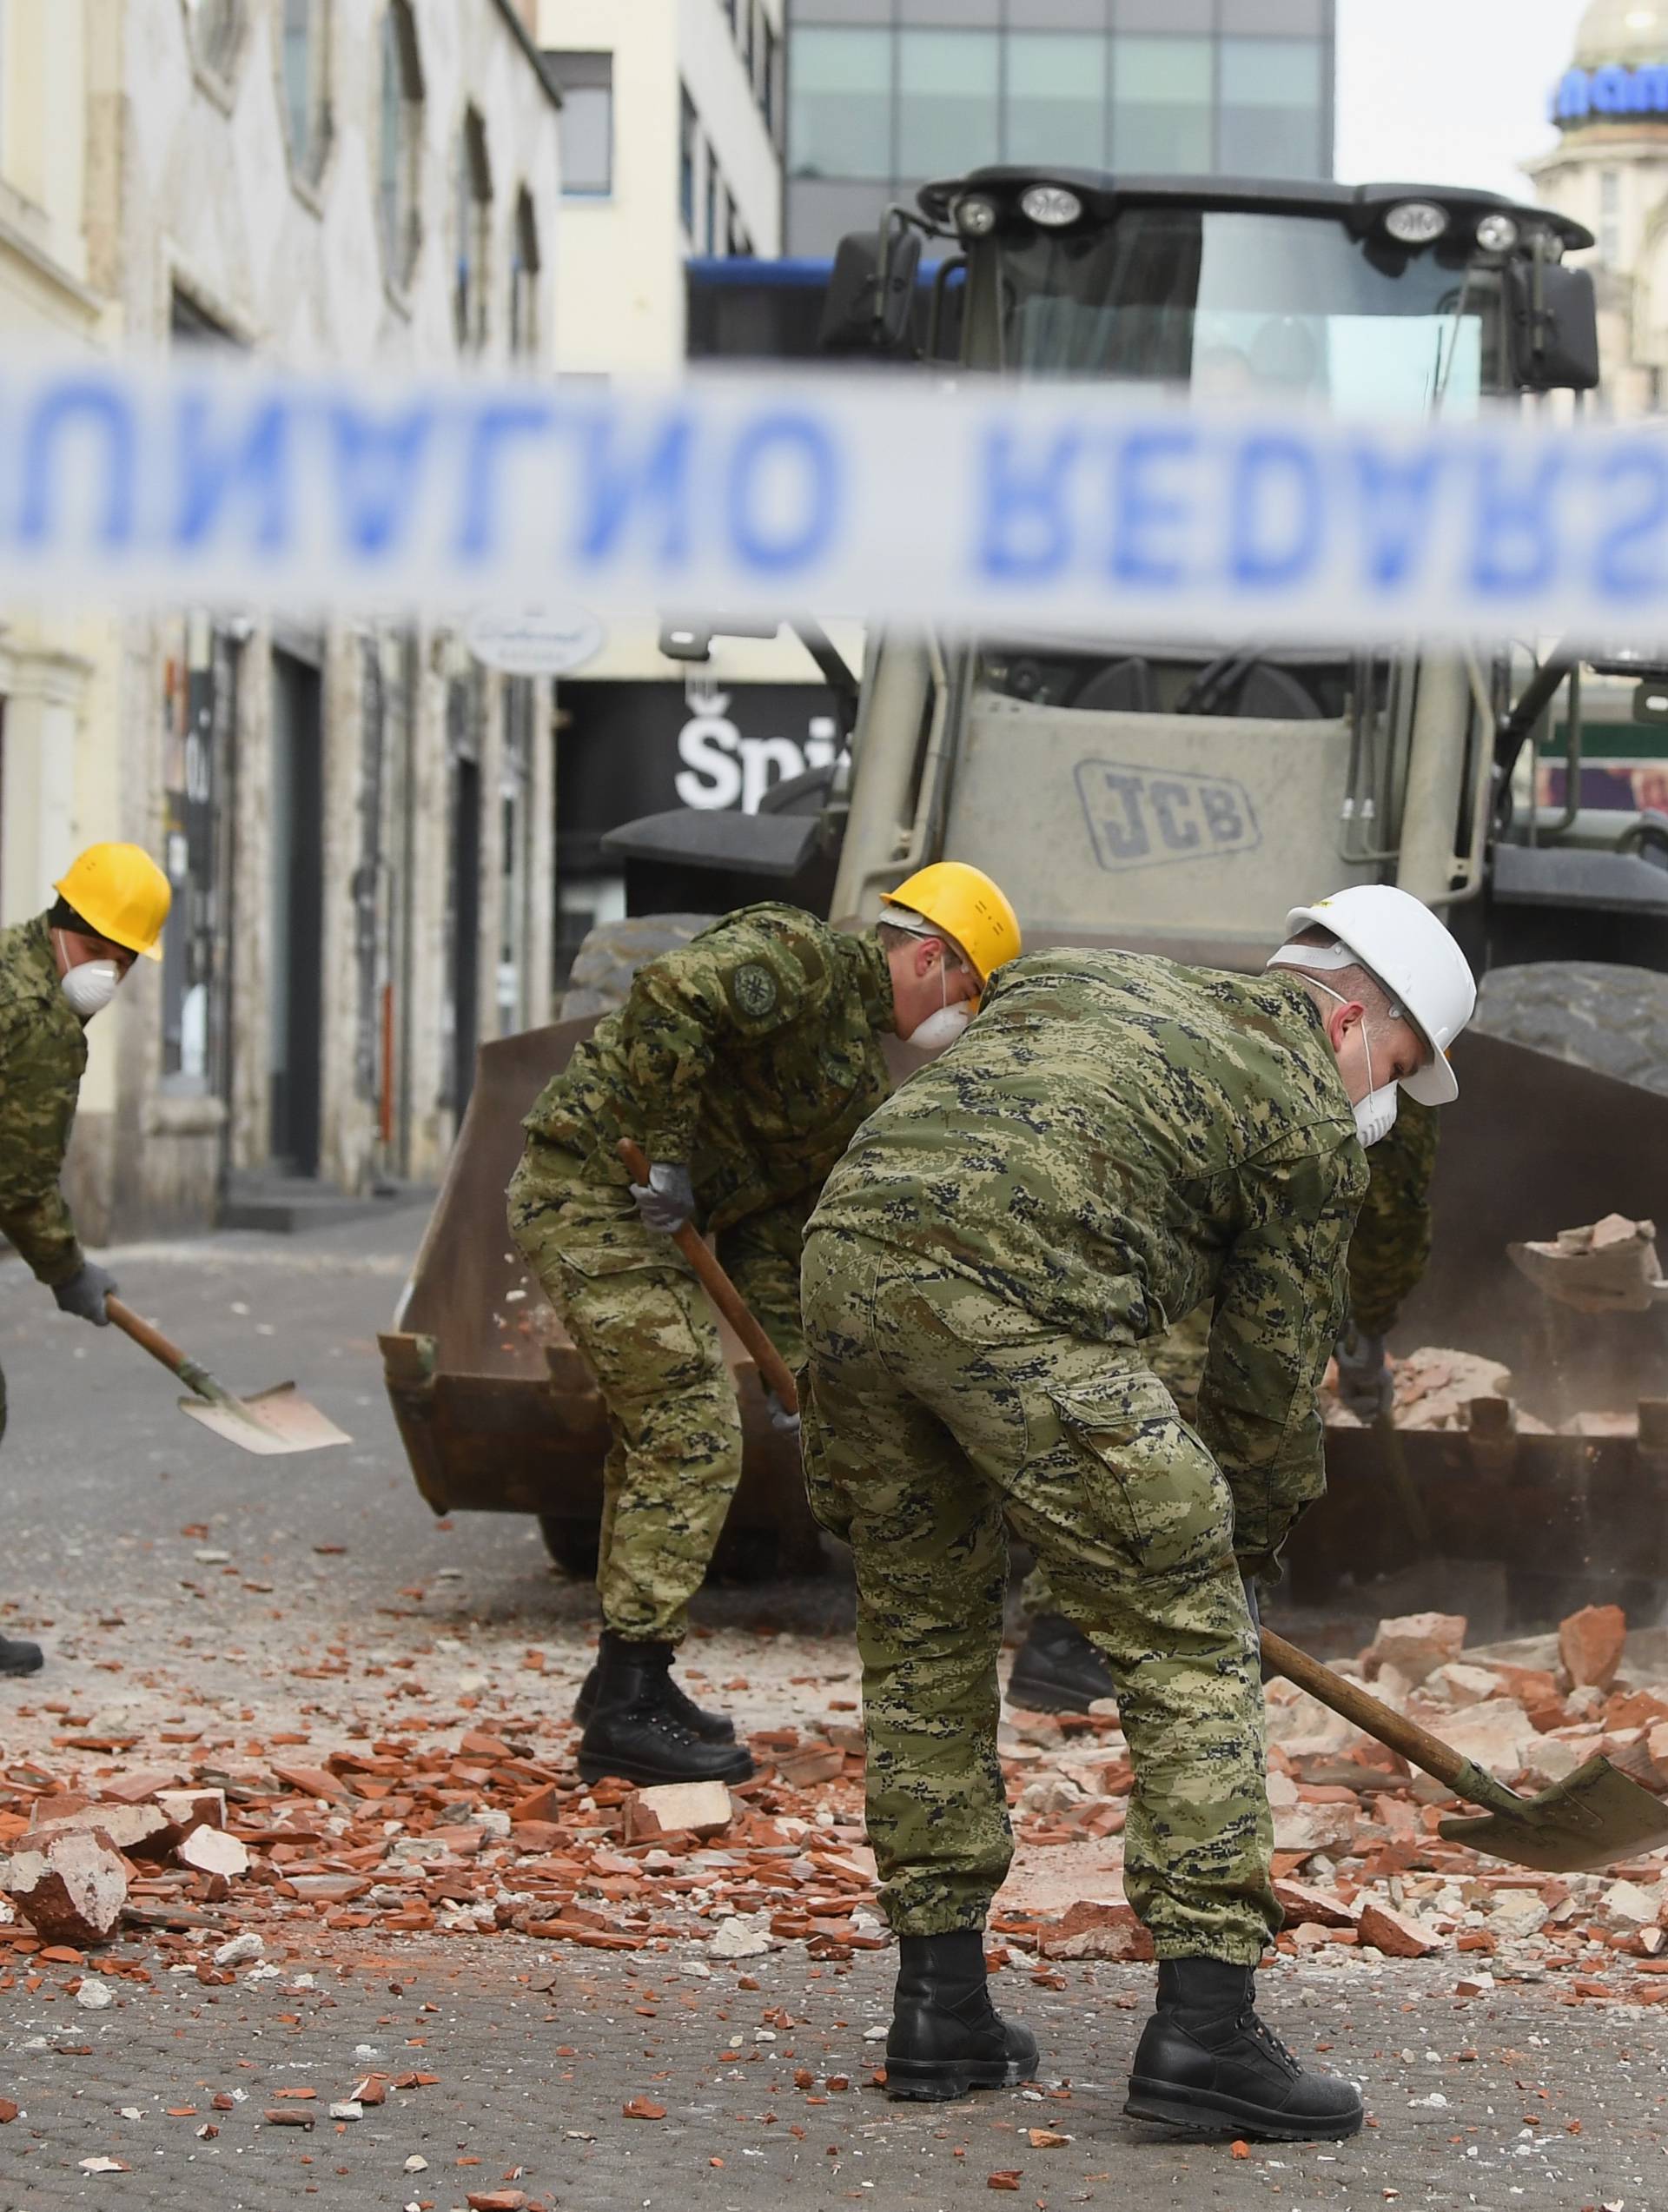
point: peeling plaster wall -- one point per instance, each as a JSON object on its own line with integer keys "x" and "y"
{"x": 190, "y": 189}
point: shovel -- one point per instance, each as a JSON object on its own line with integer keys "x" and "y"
{"x": 279, "y": 1420}
{"x": 774, "y": 1370}
{"x": 1597, "y": 1817}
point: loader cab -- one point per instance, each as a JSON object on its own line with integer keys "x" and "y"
{"x": 1377, "y": 301}
{"x": 1163, "y": 794}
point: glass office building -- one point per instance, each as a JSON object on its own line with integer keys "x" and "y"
{"x": 885, "y": 94}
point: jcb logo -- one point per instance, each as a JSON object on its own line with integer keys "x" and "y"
{"x": 1148, "y": 817}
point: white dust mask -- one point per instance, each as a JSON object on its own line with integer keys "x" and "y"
{"x": 90, "y": 987}
{"x": 1375, "y": 1114}
{"x": 940, "y": 1030}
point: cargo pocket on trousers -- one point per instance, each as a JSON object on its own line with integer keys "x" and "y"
{"x": 828, "y": 1503}
{"x": 1162, "y": 1495}
{"x": 627, "y": 1312}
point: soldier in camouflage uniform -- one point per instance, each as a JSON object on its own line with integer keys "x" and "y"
{"x": 1115, "y": 1142}
{"x": 56, "y": 972}
{"x": 742, "y": 1064}
{"x": 1057, "y": 1669}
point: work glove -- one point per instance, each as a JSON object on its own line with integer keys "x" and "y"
{"x": 784, "y": 1422}
{"x": 1365, "y": 1382}
{"x": 85, "y": 1293}
{"x": 666, "y": 1201}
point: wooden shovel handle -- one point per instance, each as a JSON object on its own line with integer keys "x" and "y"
{"x": 1393, "y": 1729}
{"x": 151, "y": 1340}
{"x": 778, "y": 1375}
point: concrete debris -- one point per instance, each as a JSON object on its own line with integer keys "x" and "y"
{"x": 242, "y": 1951}
{"x": 138, "y": 1831}
{"x": 1632, "y": 1904}
{"x": 690, "y": 1808}
{"x": 1457, "y": 1684}
{"x": 1306, "y": 1829}
{"x": 211, "y": 1850}
{"x": 95, "y": 1995}
{"x": 735, "y": 1939}
{"x": 1497, "y": 1734}
{"x": 1416, "y": 1645}
{"x": 72, "y": 1891}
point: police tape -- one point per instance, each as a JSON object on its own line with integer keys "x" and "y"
{"x": 978, "y": 506}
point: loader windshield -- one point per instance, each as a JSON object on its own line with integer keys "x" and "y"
{"x": 1276, "y": 308}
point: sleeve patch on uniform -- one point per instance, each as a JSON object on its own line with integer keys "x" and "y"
{"x": 753, "y": 989}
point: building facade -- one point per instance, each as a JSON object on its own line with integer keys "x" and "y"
{"x": 672, "y": 127}
{"x": 884, "y": 96}
{"x": 672, "y": 124}
{"x": 355, "y": 816}
{"x": 1609, "y": 169}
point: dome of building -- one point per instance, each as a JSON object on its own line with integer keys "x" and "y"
{"x": 1621, "y": 30}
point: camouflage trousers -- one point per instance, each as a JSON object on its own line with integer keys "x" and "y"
{"x": 1177, "y": 1359}
{"x": 643, "y": 1324}
{"x": 938, "y": 1413}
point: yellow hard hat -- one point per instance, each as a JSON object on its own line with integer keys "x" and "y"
{"x": 966, "y": 905}
{"x": 119, "y": 891}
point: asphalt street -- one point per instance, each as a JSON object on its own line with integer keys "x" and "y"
{"x": 1526, "y": 2097}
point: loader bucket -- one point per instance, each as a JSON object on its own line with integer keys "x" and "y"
{"x": 1531, "y": 1145}
{"x": 499, "y": 1414}
{"x": 496, "y": 1411}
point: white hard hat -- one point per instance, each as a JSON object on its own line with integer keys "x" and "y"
{"x": 1397, "y": 938}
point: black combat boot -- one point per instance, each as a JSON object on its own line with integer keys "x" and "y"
{"x": 1207, "y": 2063}
{"x": 711, "y": 1727}
{"x": 946, "y": 2038}
{"x": 19, "y": 1658}
{"x": 1058, "y": 1670}
{"x": 634, "y": 1731}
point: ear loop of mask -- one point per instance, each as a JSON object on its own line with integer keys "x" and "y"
{"x": 1375, "y": 1112}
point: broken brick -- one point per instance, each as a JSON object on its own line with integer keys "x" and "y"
{"x": 1590, "y": 1645}
{"x": 72, "y": 1891}
{"x": 1396, "y": 1934}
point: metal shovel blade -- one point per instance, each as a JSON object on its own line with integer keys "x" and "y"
{"x": 1596, "y": 1817}
{"x": 271, "y": 1421}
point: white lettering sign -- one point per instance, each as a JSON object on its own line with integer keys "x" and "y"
{"x": 723, "y": 769}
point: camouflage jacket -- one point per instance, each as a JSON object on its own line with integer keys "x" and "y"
{"x": 751, "y": 1054}
{"x": 1391, "y": 1243}
{"x": 1116, "y": 1140}
{"x": 43, "y": 1055}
